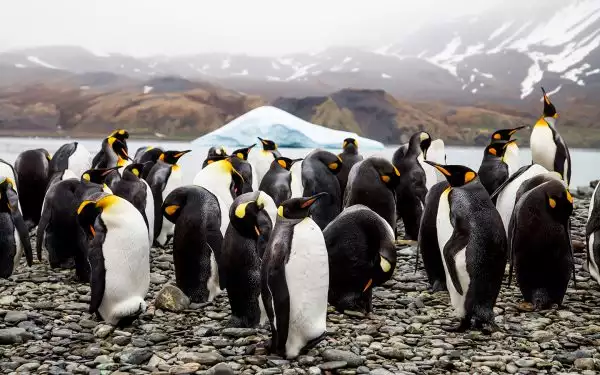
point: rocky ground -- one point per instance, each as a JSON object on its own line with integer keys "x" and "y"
{"x": 45, "y": 328}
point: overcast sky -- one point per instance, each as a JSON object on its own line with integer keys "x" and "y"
{"x": 259, "y": 27}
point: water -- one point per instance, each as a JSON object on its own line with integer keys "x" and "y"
{"x": 584, "y": 161}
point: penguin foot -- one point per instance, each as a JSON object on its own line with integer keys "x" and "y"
{"x": 464, "y": 325}
{"x": 438, "y": 286}
{"x": 314, "y": 342}
{"x": 525, "y": 306}
{"x": 355, "y": 314}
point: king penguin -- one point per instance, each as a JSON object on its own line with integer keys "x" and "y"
{"x": 240, "y": 262}
{"x": 118, "y": 255}
{"x": 14, "y": 236}
{"x": 215, "y": 154}
{"x": 349, "y": 157}
{"x": 494, "y": 170}
{"x": 372, "y": 183}
{"x": 164, "y": 177}
{"x": 99, "y": 176}
{"x": 412, "y": 186}
{"x": 239, "y": 160}
{"x": 319, "y": 170}
{"x": 592, "y": 236}
{"x": 137, "y": 192}
{"x": 224, "y": 182}
{"x": 108, "y": 156}
{"x": 7, "y": 171}
{"x": 362, "y": 255}
{"x": 540, "y": 240}
{"x": 148, "y": 156}
{"x": 473, "y": 245}
{"x": 548, "y": 148}
{"x": 261, "y": 160}
{"x": 197, "y": 240}
{"x": 32, "y": 169}
{"x": 73, "y": 156}
{"x": 277, "y": 182}
{"x": 295, "y": 279}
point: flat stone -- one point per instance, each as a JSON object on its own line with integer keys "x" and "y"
{"x": 102, "y": 331}
{"x": 28, "y": 367}
{"x": 221, "y": 369}
{"x": 392, "y": 353}
{"x": 314, "y": 370}
{"x": 135, "y": 356}
{"x": 171, "y": 298}
{"x": 350, "y": 358}
{"x": 188, "y": 368}
{"x": 14, "y": 317}
{"x": 209, "y": 358}
{"x": 14, "y": 335}
{"x": 525, "y": 362}
{"x": 381, "y": 371}
{"x": 328, "y": 366}
{"x": 542, "y": 336}
{"x": 584, "y": 363}
{"x": 238, "y": 332}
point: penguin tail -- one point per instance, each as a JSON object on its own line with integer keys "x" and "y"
{"x": 540, "y": 299}
{"x": 128, "y": 310}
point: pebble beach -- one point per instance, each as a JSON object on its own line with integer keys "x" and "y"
{"x": 45, "y": 329}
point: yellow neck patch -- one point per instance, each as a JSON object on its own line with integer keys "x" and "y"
{"x": 170, "y": 210}
{"x": 469, "y": 176}
{"x": 493, "y": 151}
{"x": 240, "y": 211}
{"x": 552, "y": 202}
{"x": 569, "y": 197}
{"x": 333, "y": 166}
{"x": 385, "y": 178}
{"x": 541, "y": 122}
{"x": 107, "y": 201}
{"x": 280, "y": 211}
{"x": 385, "y": 265}
{"x": 86, "y": 176}
{"x": 282, "y": 163}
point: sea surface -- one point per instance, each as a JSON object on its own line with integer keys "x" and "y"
{"x": 586, "y": 162}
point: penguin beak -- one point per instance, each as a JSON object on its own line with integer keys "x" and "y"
{"x": 294, "y": 161}
{"x": 513, "y": 131}
{"x": 310, "y": 200}
{"x": 180, "y": 154}
{"x": 439, "y": 168}
{"x": 109, "y": 170}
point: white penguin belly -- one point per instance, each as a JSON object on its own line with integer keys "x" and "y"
{"x": 430, "y": 173}
{"x": 593, "y": 263}
{"x": 19, "y": 250}
{"x": 444, "y": 232}
{"x": 263, "y": 311}
{"x": 173, "y": 183}
{"x": 543, "y": 148}
{"x": 127, "y": 263}
{"x": 212, "y": 284}
{"x": 307, "y": 278}
{"x": 511, "y": 158}
{"x": 80, "y": 161}
{"x": 505, "y": 204}
{"x": 262, "y": 163}
{"x": 149, "y": 211}
{"x": 296, "y": 184}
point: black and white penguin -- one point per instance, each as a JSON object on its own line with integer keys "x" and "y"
{"x": 112, "y": 147}
{"x": 592, "y": 236}
{"x": 164, "y": 177}
{"x": 137, "y": 192}
{"x": 148, "y": 156}
{"x": 7, "y": 171}
{"x": 73, "y": 156}
{"x": 14, "y": 236}
{"x": 240, "y": 260}
{"x": 540, "y": 240}
{"x": 319, "y": 170}
{"x": 429, "y": 246}
{"x": 504, "y": 135}
{"x": 505, "y": 196}
{"x": 261, "y": 160}
{"x": 239, "y": 159}
{"x": 473, "y": 245}
{"x": 224, "y": 182}
{"x": 349, "y": 157}
{"x": 412, "y": 186}
{"x": 494, "y": 170}
{"x": 215, "y": 154}
{"x": 197, "y": 240}
{"x": 32, "y": 169}
{"x": 277, "y": 182}
{"x": 295, "y": 279}
{"x": 548, "y": 148}
{"x": 100, "y": 176}
{"x": 362, "y": 255}
{"x": 58, "y": 232}
{"x": 372, "y": 182}
{"x": 118, "y": 255}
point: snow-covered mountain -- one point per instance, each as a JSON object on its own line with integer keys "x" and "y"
{"x": 502, "y": 54}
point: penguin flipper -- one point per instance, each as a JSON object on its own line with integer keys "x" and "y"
{"x": 41, "y": 229}
{"x": 514, "y": 176}
{"x": 19, "y": 223}
{"x": 562, "y": 156}
{"x": 97, "y": 275}
{"x": 457, "y": 242}
{"x": 512, "y": 231}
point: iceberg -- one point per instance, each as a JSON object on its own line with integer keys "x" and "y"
{"x": 281, "y": 127}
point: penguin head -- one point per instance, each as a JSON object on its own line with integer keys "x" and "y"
{"x": 505, "y": 134}
{"x": 89, "y": 210}
{"x": 549, "y": 109}
{"x": 267, "y": 144}
{"x": 495, "y": 149}
{"x": 98, "y": 175}
{"x": 384, "y": 265}
{"x": 350, "y": 146}
{"x": 216, "y": 154}
{"x": 171, "y": 207}
{"x": 298, "y": 208}
{"x": 244, "y": 213}
{"x": 560, "y": 203}
{"x": 135, "y": 169}
{"x": 242, "y": 153}
{"x": 172, "y": 157}
{"x": 8, "y": 196}
{"x": 46, "y": 153}
{"x": 388, "y": 174}
{"x": 457, "y": 175}
{"x": 331, "y": 161}
{"x": 120, "y": 134}
{"x": 119, "y": 148}
{"x": 425, "y": 142}
{"x": 284, "y": 162}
